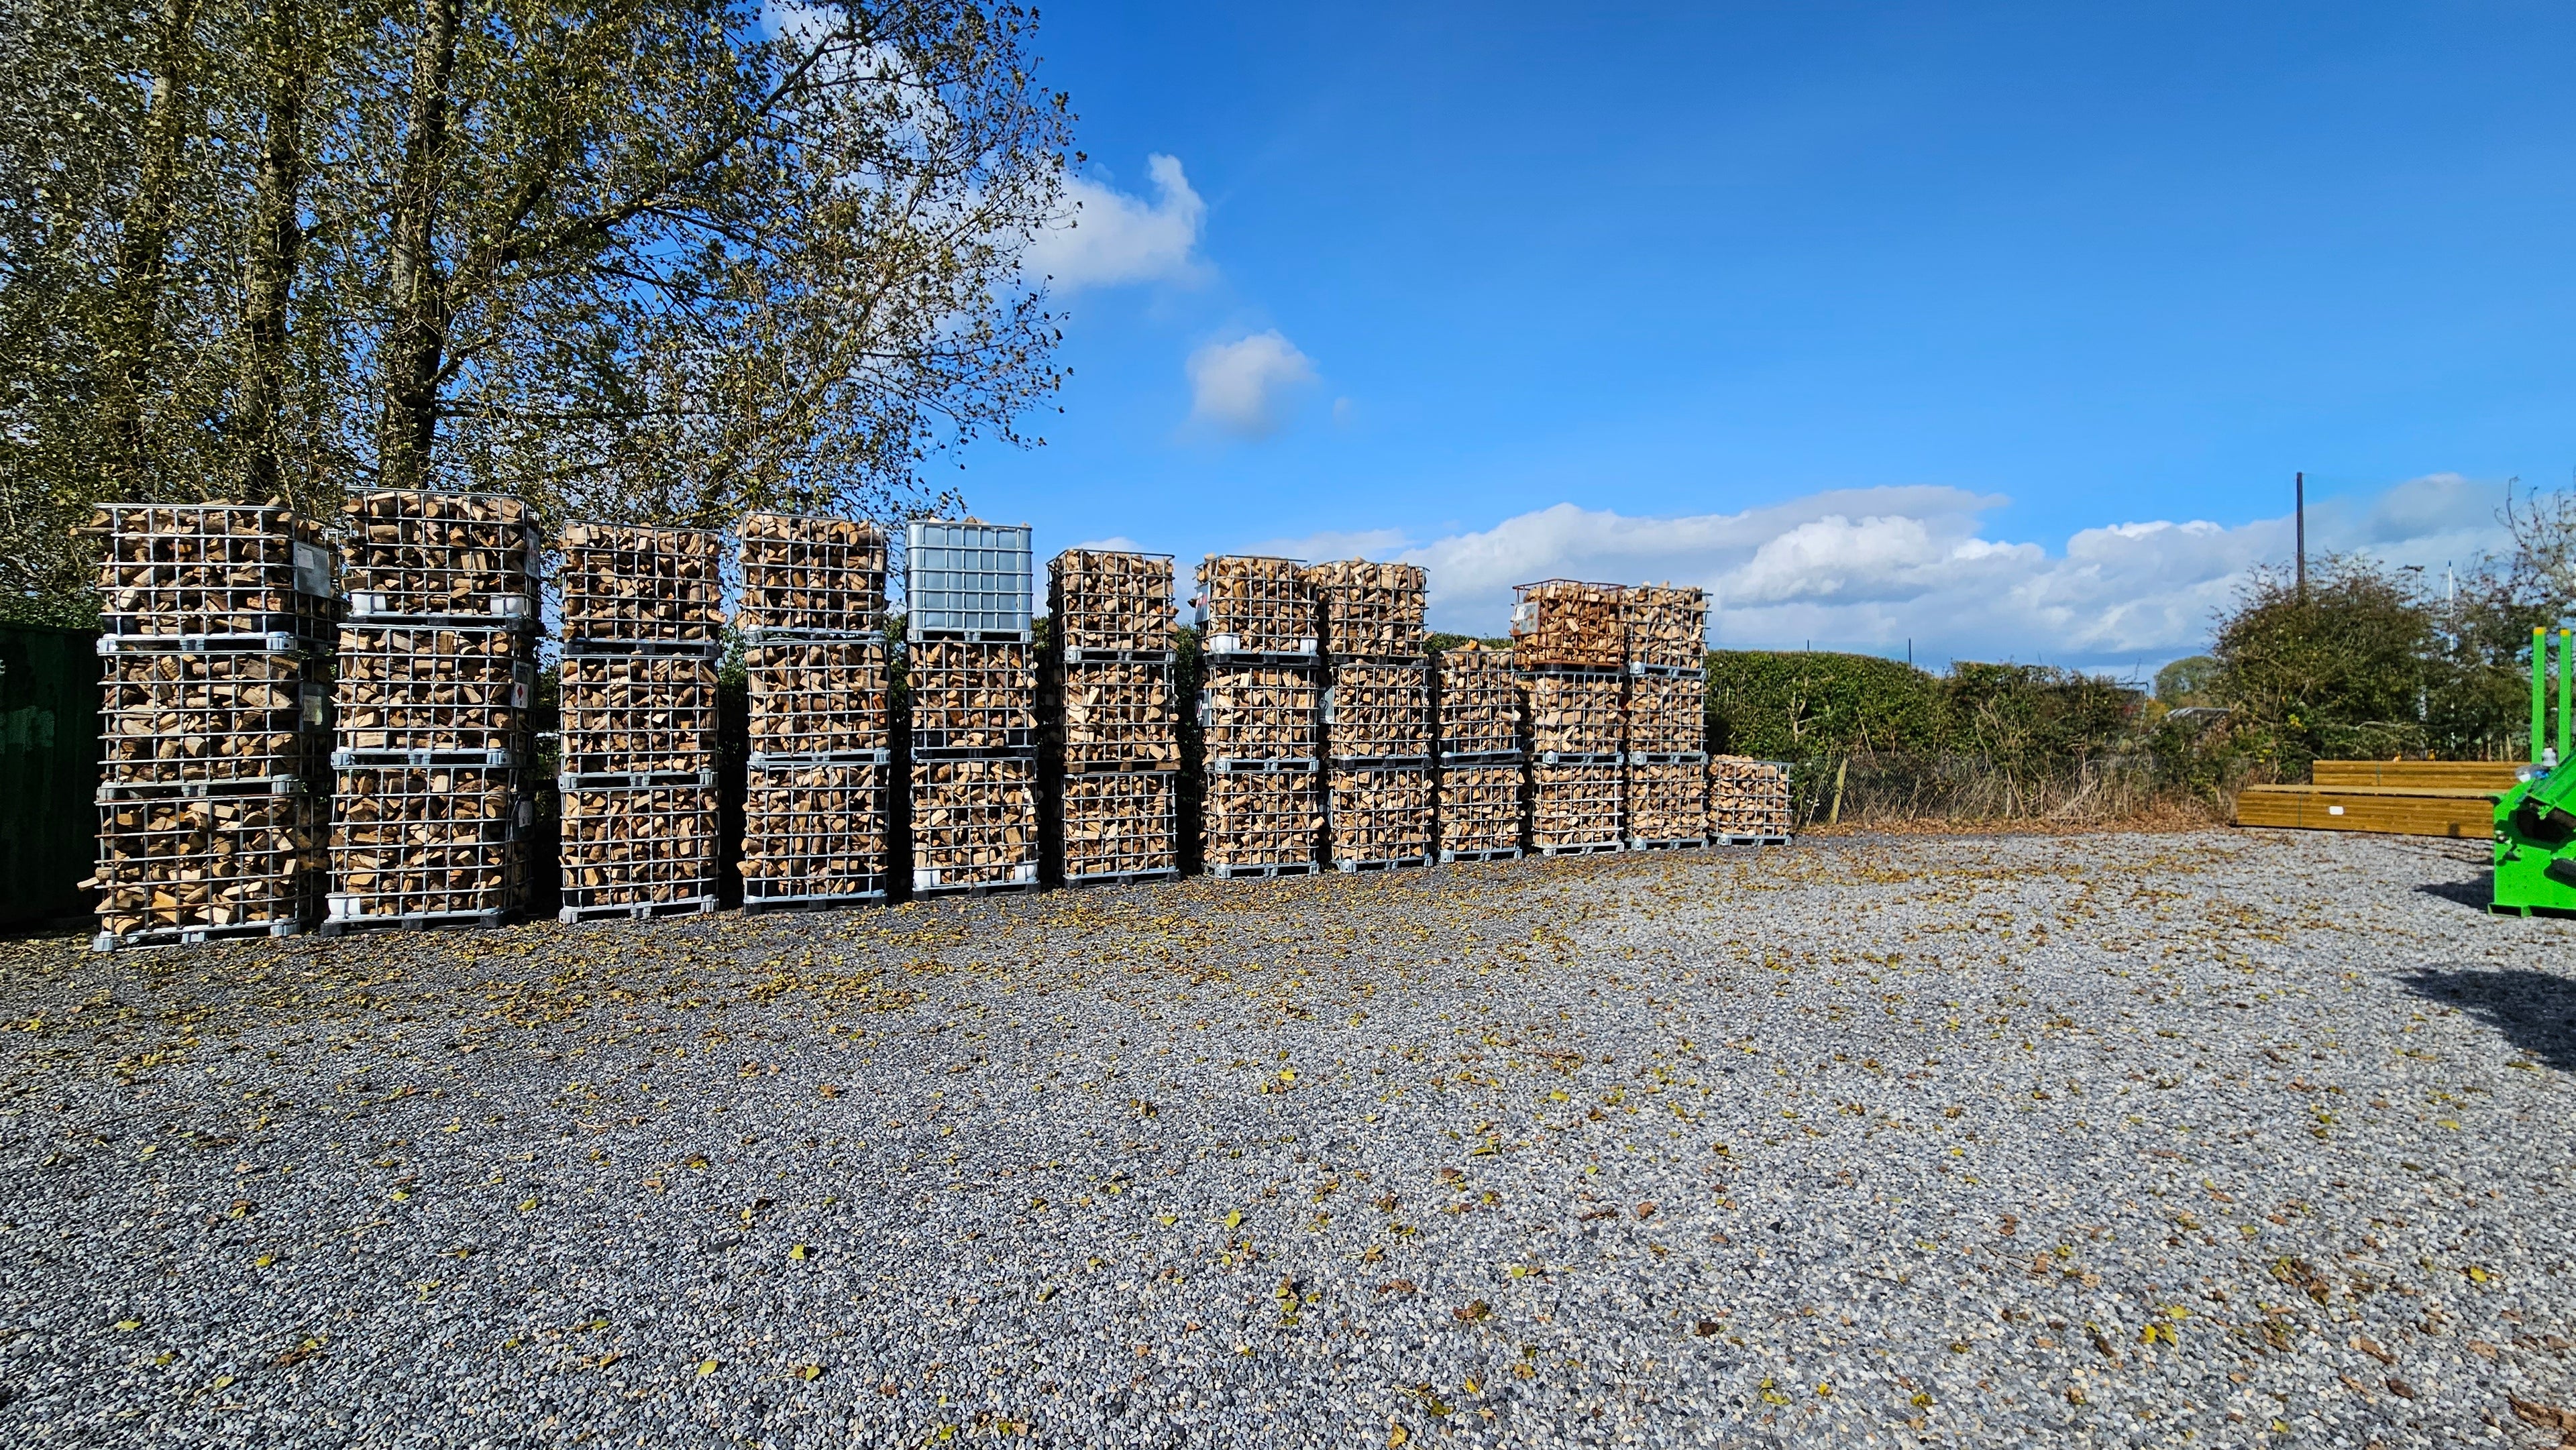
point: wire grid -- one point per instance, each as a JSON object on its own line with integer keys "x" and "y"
{"x": 1480, "y": 807}
{"x": 638, "y": 846}
{"x": 1567, "y": 622}
{"x": 166, "y": 719}
{"x": 639, "y": 584}
{"x": 974, "y": 822}
{"x": 1667, "y": 802}
{"x": 434, "y": 689}
{"x": 1574, "y": 805}
{"x": 1269, "y": 819}
{"x": 414, "y": 551}
{"x": 1120, "y": 823}
{"x": 628, "y": 713}
{"x": 815, "y": 831}
{"x": 433, "y": 841}
{"x": 1260, "y": 712}
{"x": 1250, "y": 604}
{"x": 1667, "y": 714}
{"x": 1378, "y": 813}
{"x": 1479, "y": 703}
{"x": 801, "y": 573}
{"x": 1747, "y": 797}
{"x": 972, "y": 696}
{"x": 1575, "y": 714}
{"x": 966, "y": 576}
{"x": 1106, "y": 599}
{"x": 1368, "y": 610}
{"x": 1378, "y": 710}
{"x": 1665, "y": 626}
{"x": 207, "y": 861}
{"x": 176, "y": 569}
{"x": 817, "y": 698}
{"x": 1119, "y": 714}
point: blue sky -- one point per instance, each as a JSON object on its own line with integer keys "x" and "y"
{"x": 1885, "y": 323}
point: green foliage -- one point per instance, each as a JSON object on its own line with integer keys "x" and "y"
{"x": 2191, "y": 681}
{"x": 2339, "y": 673}
{"x": 1807, "y": 705}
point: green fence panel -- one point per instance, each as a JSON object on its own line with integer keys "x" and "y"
{"x": 48, "y": 771}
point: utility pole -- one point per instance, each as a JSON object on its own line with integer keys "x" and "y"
{"x": 2299, "y": 506}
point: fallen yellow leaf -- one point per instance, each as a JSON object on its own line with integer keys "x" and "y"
{"x": 707, "y": 1367}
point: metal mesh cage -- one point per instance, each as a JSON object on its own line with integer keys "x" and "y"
{"x": 1378, "y": 814}
{"x": 637, "y": 584}
{"x": 428, "y": 842}
{"x": 1480, "y": 808}
{"x": 1121, "y": 824}
{"x": 170, "y": 866}
{"x": 1667, "y": 715}
{"x": 967, "y": 578}
{"x": 973, "y": 696}
{"x": 1748, "y": 799}
{"x": 428, "y": 688}
{"x": 1479, "y": 703}
{"x": 1101, "y": 599}
{"x": 816, "y": 833}
{"x": 638, "y": 846}
{"x": 1261, "y": 820}
{"x": 1368, "y": 610}
{"x": 812, "y": 575}
{"x": 1575, "y": 714}
{"x": 1250, "y": 604}
{"x": 1567, "y": 622}
{"x": 817, "y": 698}
{"x": 1666, "y": 628}
{"x": 628, "y": 714}
{"x": 1667, "y": 802}
{"x": 171, "y": 719}
{"x": 1574, "y": 805}
{"x": 1118, "y": 716}
{"x": 974, "y": 823}
{"x": 416, "y": 552}
{"x": 175, "y": 570}
{"x": 1378, "y": 711}
{"x": 1260, "y": 712}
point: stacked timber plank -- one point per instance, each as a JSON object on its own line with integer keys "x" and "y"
{"x": 1665, "y": 760}
{"x": 437, "y": 673}
{"x": 1260, "y": 713}
{"x": 973, "y": 677}
{"x": 1481, "y": 763}
{"x": 1377, "y": 714}
{"x": 817, "y": 787}
{"x": 1110, "y": 807}
{"x": 1748, "y": 800}
{"x": 641, "y": 635}
{"x": 219, "y": 620}
{"x": 2449, "y": 798}
{"x": 1569, "y": 644}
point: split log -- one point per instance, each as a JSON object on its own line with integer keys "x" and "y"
{"x": 1480, "y": 807}
{"x": 1106, "y": 599}
{"x": 171, "y": 718}
{"x": 1118, "y": 716}
{"x": 1748, "y": 797}
{"x": 1270, "y": 819}
{"x": 1667, "y": 714}
{"x": 630, "y": 583}
{"x": 1667, "y": 802}
{"x": 974, "y": 822}
{"x": 638, "y": 713}
{"x": 419, "y": 552}
{"x": 1576, "y": 714}
{"x": 1666, "y": 626}
{"x": 1378, "y": 813}
{"x": 821, "y": 574}
{"x": 1574, "y": 805}
{"x": 973, "y": 696}
{"x": 1479, "y": 703}
{"x": 1260, "y": 712}
{"x": 816, "y": 831}
{"x": 1368, "y": 610}
{"x": 1254, "y": 605}
{"x": 1121, "y": 822}
{"x": 816, "y": 698}
{"x": 627, "y": 846}
{"x": 1566, "y": 622}
{"x": 1376, "y": 710}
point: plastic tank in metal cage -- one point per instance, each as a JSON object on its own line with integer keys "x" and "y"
{"x": 967, "y": 580}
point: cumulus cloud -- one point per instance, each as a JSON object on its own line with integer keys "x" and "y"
{"x": 1107, "y": 238}
{"x": 1243, "y": 387}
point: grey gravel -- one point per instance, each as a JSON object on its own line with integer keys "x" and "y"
{"x": 2219, "y": 1138}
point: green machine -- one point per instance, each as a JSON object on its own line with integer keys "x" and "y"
{"x": 2535, "y": 849}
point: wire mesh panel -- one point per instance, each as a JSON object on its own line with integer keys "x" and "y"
{"x": 174, "y": 868}
{"x": 967, "y": 579}
{"x": 973, "y": 696}
{"x": 428, "y": 842}
{"x": 1666, "y": 628}
{"x": 1118, "y": 715}
{"x": 1667, "y": 715}
{"x": 1121, "y": 824}
{"x": 1575, "y": 714}
{"x": 1261, "y": 820}
{"x": 1479, "y": 702}
{"x": 631, "y": 847}
{"x": 174, "y": 570}
{"x": 1254, "y": 605}
{"x": 817, "y": 698}
{"x": 1260, "y": 712}
{"x": 1566, "y": 622}
{"x": 172, "y": 719}
{"x": 1574, "y": 807}
{"x": 816, "y": 833}
{"x": 1667, "y": 803}
{"x": 1368, "y": 610}
{"x": 1102, "y": 599}
{"x": 1378, "y": 815}
{"x": 431, "y": 688}
{"x": 638, "y": 714}
{"x": 1480, "y": 809}
{"x": 636, "y": 584}
{"x": 974, "y": 823}
{"x": 1378, "y": 710}
{"x": 1748, "y": 799}
{"x": 416, "y": 552}
{"x": 811, "y": 575}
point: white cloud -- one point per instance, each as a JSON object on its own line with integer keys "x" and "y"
{"x": 1114, "y": 544}
{"x": 1243, "y": 386}
{"x": 1107, "y": 238}
{"x": 1316, "y": 548}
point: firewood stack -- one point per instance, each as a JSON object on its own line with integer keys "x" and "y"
{"x": 817, "y": 797}
{"x": 1481, "y": 759}
{"x": 1368, "y": 610}
{"x": 1574, "y": 808}
{"x": 218, "y": 622}
{"x": 1377, "y": 714}
{"x": 1575, "y": 715}
{"x": 1566, "y": 623}
{"x": 1110, "y": 800}
{"x": 1378, "y": 816}
{"x": 641, "y": 637}
{"x": 1260, "y": 719}
{"x": 1667, "y": 716}
{"x": 437, "y": 672}
{"x": 807, "y": 578}
{"x": 974, "y": 707}
{"x": 1569, "y": 642}
{"x": 1748, "y": 800}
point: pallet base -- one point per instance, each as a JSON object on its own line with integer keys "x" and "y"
{"x": 1588, "y": 848}
{"x": 426, "y": 921}
{"x": 1290, "y": 868}
{"x": 1748, "y": 840}
{"x": 1691, "y": 843}
{"x": 977, "y": 888}
{"x": 637, "y": 910}
{"x": 1123, "y": 878}
{"x": 1393, "y": 863}
{"x": 1505, "y": 853}
{"x": 755, "y": 905}
{"x": 192, "y": 936}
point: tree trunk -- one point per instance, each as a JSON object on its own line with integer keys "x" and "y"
{"x": 417, "y": 340}
{"x": 276, "y": 240}
{"x": 143, "y": 251}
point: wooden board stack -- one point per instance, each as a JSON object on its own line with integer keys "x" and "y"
{"x": 974, "y": 689}
{"x": 1481, "y": 763}
{"x": 641, "y": 638}
{"x": 817, "y": 786}
{"x": 1260, "y": 717}
{"x": 437, "y": 675}
{"x": 215, "y": 759}
{"x": 1109, "y": 803}
{"x": 1666, "y": 752}
{"x": 1748, "y": 800}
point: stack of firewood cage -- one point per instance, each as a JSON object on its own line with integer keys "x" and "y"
{"x": 1748, "y": 801}
{"x": 1377, "y": 714}
{"x": 1569, "y": 646}
{"x": 1110, "y": 803}
{"x": 218, "y": 625}
{"x": 974, "y": 707}
{"x": 817, "y": 802}
{"x": 638, "y": 771}
{"x": 437, "y": 676}
{"x": 1482, "y": 759}
{"x": 1259, "y": 717}
{"x": 1667, "y": 717}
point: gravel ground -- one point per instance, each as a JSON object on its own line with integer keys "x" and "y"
{"x": 2219, "y": 1138}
